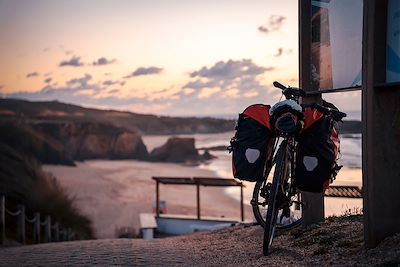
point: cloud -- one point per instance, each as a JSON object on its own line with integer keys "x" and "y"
{"x": 230, "y": 80}
{"x": 32, "y": 74}
{"x": 282, "y": 51}
{"x": 263, "y": 29}
{"x": 68, "y": 93}
{"x": 103, "y": 61}
{"x": 46, "y": 49}
{"x": 279, "y": 52}
{"x": 225, "y": 87}
{"x": 230, "y": 69}
{"x": 110, "y": 82}
{"x": 80, "y": 83}
{"x": 275, "y": 23}
{"x": 144, "y": 71}
{"x": 74, "y": 62}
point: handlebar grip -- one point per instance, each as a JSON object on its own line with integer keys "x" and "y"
{"x": 279, "y": 85}
{"x": 302, "y": 92}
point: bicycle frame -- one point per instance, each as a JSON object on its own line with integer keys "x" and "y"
{"x": 286, "y": 185}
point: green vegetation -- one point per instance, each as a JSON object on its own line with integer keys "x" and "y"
{"x": 22, "y": 181}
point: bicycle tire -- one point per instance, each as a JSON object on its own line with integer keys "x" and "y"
{"x": 259, "y": 205}
{"x": 272, "y": 211}
{"x": 259, "y": 201}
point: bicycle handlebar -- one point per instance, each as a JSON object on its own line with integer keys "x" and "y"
{"x": 336, "y": 114}
{"x": 293, "y": 93}
{"x": 290, "y": 92}
{"x": 279, "y": 85}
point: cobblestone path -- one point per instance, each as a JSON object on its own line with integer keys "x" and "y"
{"x": 103, "y": 252}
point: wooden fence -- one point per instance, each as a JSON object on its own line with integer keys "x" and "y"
{"x": 52, "y": 232}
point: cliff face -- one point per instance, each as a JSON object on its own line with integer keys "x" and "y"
{"x": 25, "y": 140}
{"x": 59, "y": 133}
{"x": 93, "y": 140}
{"x": 62, "y": 143}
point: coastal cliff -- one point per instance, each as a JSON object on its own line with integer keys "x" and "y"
{"x": 63, "y": 143}
{"x": 85, "y": 140}
{"x": 59, "y": 133}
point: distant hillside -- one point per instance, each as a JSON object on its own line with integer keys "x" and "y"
{"x": 13, "y": 109}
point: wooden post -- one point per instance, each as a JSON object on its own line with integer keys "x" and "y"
{"x": 65, "y": 234}
{"x": 21, "y": 224}
{"x": 56, "y": 232}
{"x": 381, "y": 130}
{"x": 314, "y": 210}
{"x": 36, "y": 228}
{"x": 3, "y": 220}
{"x": 47, "y": 230}
{"x": 72, "y": 236}
{"x": 61, "y": 234}
{"x": 198, "y": 200}
{"x": 241, "y": 203}
{"x": 157, "y": 199}
{"x": 68, "y": 238}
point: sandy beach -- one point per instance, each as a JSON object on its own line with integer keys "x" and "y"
{"x": 113, "y": 193}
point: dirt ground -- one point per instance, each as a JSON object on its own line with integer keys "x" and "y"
{"x": 336, "y": 242}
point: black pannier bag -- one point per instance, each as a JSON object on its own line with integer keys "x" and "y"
{"x": 317, "y": 152}
{"x": 252, "y": 145}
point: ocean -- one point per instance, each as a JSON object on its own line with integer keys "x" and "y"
{"x": 350, "y": 158}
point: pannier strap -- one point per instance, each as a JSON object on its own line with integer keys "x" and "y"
{"x": 259, "y": 113}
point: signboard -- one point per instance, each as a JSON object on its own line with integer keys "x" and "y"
{"x": 336, "y": 46}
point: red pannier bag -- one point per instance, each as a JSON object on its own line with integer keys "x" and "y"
{"x": 252, "y": 145}
{"x": 317, "y": 152}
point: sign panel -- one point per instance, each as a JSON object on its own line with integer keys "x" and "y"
{"x": 336, "y": 46}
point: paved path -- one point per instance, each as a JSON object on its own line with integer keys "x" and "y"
{"x": 104, "y": 252}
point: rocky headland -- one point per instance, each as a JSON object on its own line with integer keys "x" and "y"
{"x": 59, "y": 133}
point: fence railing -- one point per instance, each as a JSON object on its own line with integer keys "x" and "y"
{"x": 52, "y": 232}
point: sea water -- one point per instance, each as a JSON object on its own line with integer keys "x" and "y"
{"x": 350, "y": 158}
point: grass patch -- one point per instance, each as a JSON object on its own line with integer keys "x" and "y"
{"x": 22, "y": 181}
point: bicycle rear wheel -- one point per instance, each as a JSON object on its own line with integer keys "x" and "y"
{"x": 272, "y": 211}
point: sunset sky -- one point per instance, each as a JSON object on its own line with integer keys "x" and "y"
{"x": 163, "y": 57}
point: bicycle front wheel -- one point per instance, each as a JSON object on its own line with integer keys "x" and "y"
{"x": 259, "y": 205}
{"x": 272, "y": 211}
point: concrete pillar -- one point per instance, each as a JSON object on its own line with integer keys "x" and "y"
{"x": 314, "y": 210}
